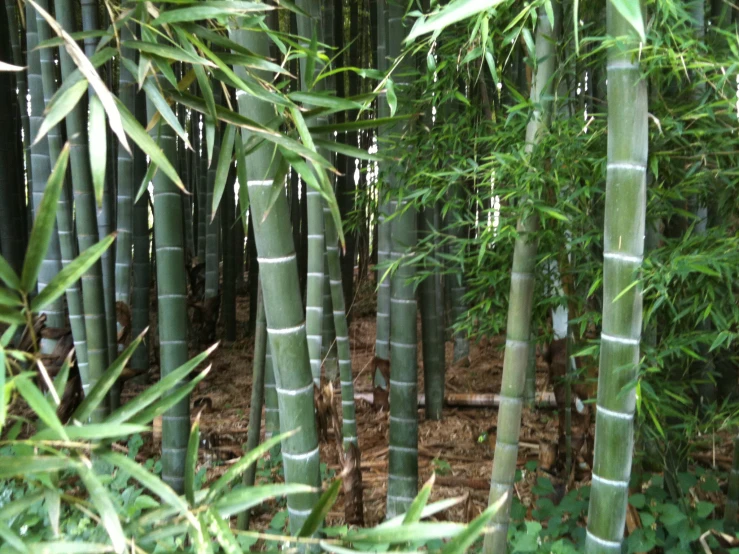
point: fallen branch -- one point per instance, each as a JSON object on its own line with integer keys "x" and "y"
{"x": 543, "y": 399}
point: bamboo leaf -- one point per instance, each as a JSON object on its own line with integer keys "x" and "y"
{"x": 98, "y": 145}
{"x": 8, "y": 276}
{"x": 147, "y": 479}
{"x": 166, "y": 51}
{"x": 242, "y": 180}
{"x": 89, "y": 72}
{"x": 324, "y": 100}
{"x": 60, "y": 105}
{"x": 223, "y": 533}
{"x": 415, "y": 510}
{"x": 224, "y": 165}
{"x": 428, "y": 511}
{"x": 13, "y": 466}
{"x": 460, "y": 543}
{"x": 391, "y": 97}
{"x": 9, "y": 298}
{"x": 243, "y": 463}
{"x": 405, "y": 533}
{"x": 631, "y": 12}
{"x": 4, "y": 66}
{"x": 3, "y": 403}
{"x": 243, "y": 499}
{"x": 317, "y": 516}
{"x": 71, "y": 273}
{"x": 68, "y": 547}
{"x": 98, "y": 393}
{"x": 147, "y": 144}
{"x": 212, "y": 10}
{"x": 60, "y": 381}
{"x": 125, "y": 412}
{"x": 11, "y": 317}
{"x": 52, "y": 501}
{"x": 94, "y": 432}
{"x": 11, "y": 539}
{"x": 358, "y": 125}
{"x": 43, "y": 226}
{"x": 163, "y": 404}
{"x": 100, "y": 498}
{"x": 451, "y": 13}
{"x": 191, "y": 461}
{"x": 347, "y": 150}
{"x": 40, "y": 405}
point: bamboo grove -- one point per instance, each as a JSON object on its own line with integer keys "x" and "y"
{"x": 557, "y": 173}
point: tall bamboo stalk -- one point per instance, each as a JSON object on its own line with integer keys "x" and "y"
{"x": 309, "y": 26}
{"x": 105, "y": 215}
{"x": 518, "y": 329}
{"x": 12, "y": 186}
{"x": 65, "y": 221}
{"x": 172, "y": 301}
{"x": 126, "y": 187}
{"x": 403, "y": 458}
{"x": 623, "y": 249}
{"x": 271, "y": 407}
{"x": 213, "y": 220}
{"x": 41, "y": 167}
{"x": 229, "y": 266}
{"x": 382, "y": 341}
{"x": 85, "y": 219}
{"x": 432, "y": 334}
{"x": 287, "y": 336}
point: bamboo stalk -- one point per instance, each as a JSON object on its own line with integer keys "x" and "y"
{"x": 623, "y": 248}
{"x": 518, "y": 328}
{"x": 86, "y": 221}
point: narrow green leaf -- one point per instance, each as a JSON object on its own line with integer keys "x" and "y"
{"x": 405, "y": 533}
{"x": 243, "y": 499}
{"x": 3, "y": 404}
{"x": 148, "y": 414}
{"x": 68, "y": 547}
{"x": 392, "y": 98}
{"x": 454, "y": 11}
{"x": 88, "y": 71}
{"x": 460, "y": 543}
{"x": 52, "y": 502}
{"x": 4, "y": 66}
{"x": 61, "y": 104}
{"x": 152, "y": 393}
{"x": 100, "y": 498}
{"x": 98, "y": 145}
{"x": 428, "y": 511}
{"x": 324, "y": 100}
{"x": 212, "y": 10}
{"x": 314, "y": 521}
{"x": 14, "y": 466}
{"x": 40, "y": 406}
{"x": 347, "y": 150}
{"x": 94, "y": 431}
{"x": 11, "y": 539}
{"x": 147, "y": 479}
{"x": 11, "y": 316}
{"x": 154, "y": 94}
{"x": 358, "y": 125}
{"x": 9, "y": 298}
{"x": 415, "y": 510}
{"x": 223, "y": 533}
{"x": 225, "y": 158}
{"x": 242, "y": 180}
{"x": 71, "y": 273}
{"x": 168, "y": 52}
{"x": 631, "y": 12}
{"x": 9, "y": 276}
{"x": 243, "y": 464}
{"x": 43, "y": 226}
{"x": 191, "y": 461}
{"x": 60, "y": 381}
{"x": 100, "y": 390}
{"x": 147, "y": 144}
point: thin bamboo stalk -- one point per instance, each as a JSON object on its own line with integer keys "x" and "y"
{"x": 518, "y": 329}
{"x": 257, "y": 398}
{"x": 41, "y": 169}
{"x": 229, "y": 266}
{"x": 86, "y": 221}
{"x": 65, "y": 221}
{"x": 172, "y": 301}
{"x": 623, "y": 248}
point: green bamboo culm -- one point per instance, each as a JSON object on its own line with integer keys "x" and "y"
{"x": 141, "y": 265}
{"x": 382, "y": 341}
{"x": 456, "y": 284}
{"x": 343, "y": 350}
{"x": 125, "y": 173}
{"x": 13, "y": 225}
{"x": 432, "y": 333}
{"x": 172, "y": 302}
{"x": 623, "y": 249}
{"x": 41, "y": 169}
{"x": 198, "y": 181}
{"x": 732, "y": 496}
{"x": 213, "y": 221}
{"x": 309, "y": 26}
{"x": 105, "y": 216}
{"x": 86, "y": 221}
{"x": 329, "y": 357}
{"x": 403, "y": 458}
{"x": 257, "y": 399}
{"x": 271, "y": 408}
{"x": 287, "y": 336}
{"x": 518, "y": 328}
{"x": 229, "y": 259}
{"x": 65, "y": 221}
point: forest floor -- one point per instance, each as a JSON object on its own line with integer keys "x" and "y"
{"x": 456, "y": 447}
